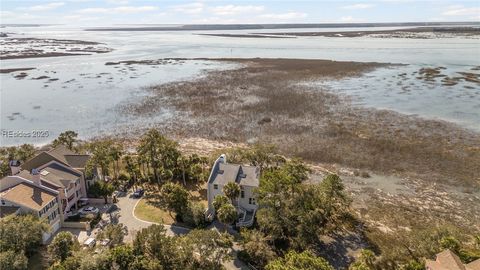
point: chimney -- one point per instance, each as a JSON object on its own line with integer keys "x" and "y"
{"x": 36, "y": 176}
{"x": 14, "y": 166}
{"x": 61, "y": 193}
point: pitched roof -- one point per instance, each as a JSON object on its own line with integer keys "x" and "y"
{"x": 39, "y": 160}
{"x": 54, "y": 176}
{"x": 243, "y": 175}
{"x": 446, "y": 260}
{"x": 60, "y": 154}
{"x": 28, "y": 195}
{"x": 68, "y": 157}
{"x": 475, "y": 265}
{"x": 7, "y": 210}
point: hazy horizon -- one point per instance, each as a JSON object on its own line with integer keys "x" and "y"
{"x": 111, "y": 12}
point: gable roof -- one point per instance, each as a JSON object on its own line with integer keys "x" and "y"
{"x": 28, "y": 195}
{"x": 446, "y": 260}
{"x": 69, "y": 157}
{"x": 39, "y": 160}
{"x": 60, "y": 154}
{"x": 243, "y": 175}
{"x": 475, "y": 265}
{"x": 54, "y": 175}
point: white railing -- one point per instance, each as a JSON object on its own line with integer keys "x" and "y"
{"x": 209, "y": 215}
{"x": 246, "y": 223}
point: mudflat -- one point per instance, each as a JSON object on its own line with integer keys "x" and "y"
{"x": 419, "y": 171}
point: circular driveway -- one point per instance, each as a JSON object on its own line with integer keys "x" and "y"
{"x": 126, "y": 207}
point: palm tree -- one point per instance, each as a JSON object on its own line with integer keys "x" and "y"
{"x": 232, "y": 191}
{"x": 227, "y": 214}
{"x": 219, "y": 201}
{"x": 100, "y": 156}
{"x": 131, "y": 167}
{"x": 183, "y": 163}
{"x": 116, "y": 152}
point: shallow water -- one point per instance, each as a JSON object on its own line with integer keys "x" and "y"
{"x": 89, "y": 103}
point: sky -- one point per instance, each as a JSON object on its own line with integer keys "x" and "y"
{"x": 111, "y": 12}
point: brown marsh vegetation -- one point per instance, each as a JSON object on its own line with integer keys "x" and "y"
{"x": 277, "y": 101}
{"x": 427, "y": 172}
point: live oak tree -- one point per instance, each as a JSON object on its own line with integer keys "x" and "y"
{"x": 175, "y": 198}
{"x": 21, "y": 234}
{"x": 67, "y": 138}
{"x": 63, "y": 246}
{"x": 158, "y": 152}
{"x": 296, "y": 214}
{"x": 22, "y": 153}
{"x": 212, "y": 247}
{"x": 299, "y": 261}
{"x": 101, "y": 189}
{"x": 122, "y": 257}
{"x": 114, "y": 232}
{"x": 153, "y": 247}
{"x": 100, "y": 156}
{"x": 13, "y": 260}
{"x": 257, "y": 247}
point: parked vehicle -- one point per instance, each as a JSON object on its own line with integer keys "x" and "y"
{"x": 71, "y": 213}
{"x": 105, "y": 242}
{"x": 138, "y": 193}
{"x": 83, "y": 202}
{"x": 89, "y": 210}
{"x": 90, "y": 242}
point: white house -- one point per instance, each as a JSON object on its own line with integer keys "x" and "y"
{"x": 247, "y": 177}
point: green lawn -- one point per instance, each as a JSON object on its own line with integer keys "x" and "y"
{"x": 148, "y": 208}
{"x": 145, "y": 210}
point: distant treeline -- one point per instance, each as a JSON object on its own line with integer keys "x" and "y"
{"x": 193, "y": 27}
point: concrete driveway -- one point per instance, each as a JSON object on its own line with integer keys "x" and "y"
{"x": 126, "y": 206}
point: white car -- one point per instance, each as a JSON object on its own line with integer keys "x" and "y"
{"x": 105, "y": 242}
{"x": 90, "y": 242}
{"x": 89, "y": 210}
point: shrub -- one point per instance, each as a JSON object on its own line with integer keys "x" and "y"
{"x": 194, "y": 215}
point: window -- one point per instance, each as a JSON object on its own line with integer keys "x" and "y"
{"x": 3, "y": 202}
{"x": 215, "y": 186}
{"x": 251, "y": 201}
{"x": 242, "y": 193}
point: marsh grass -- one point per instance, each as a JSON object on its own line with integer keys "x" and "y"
{"x": 309, "y": 122}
